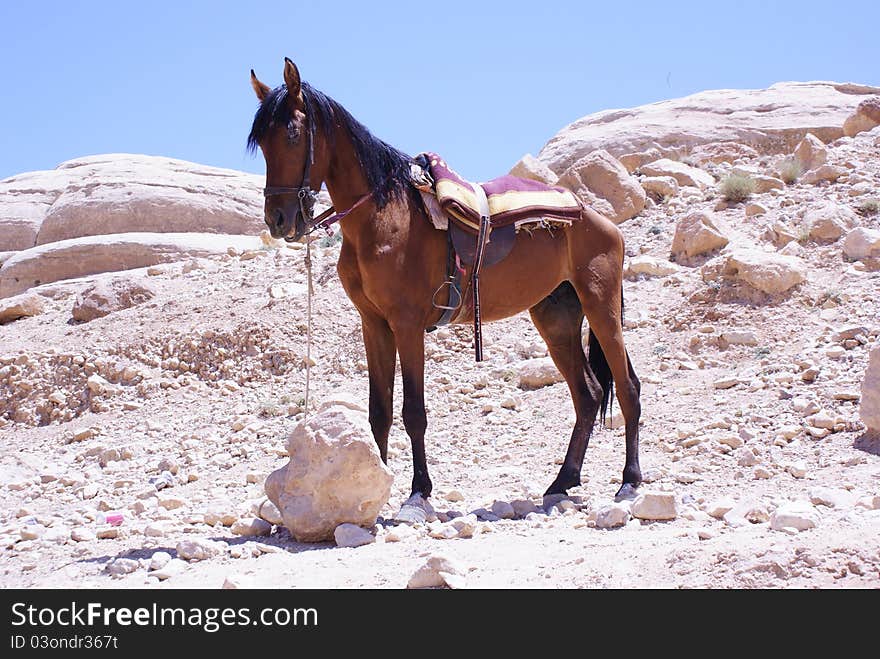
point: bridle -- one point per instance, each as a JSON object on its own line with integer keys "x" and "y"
{"x": 307, "y": 197}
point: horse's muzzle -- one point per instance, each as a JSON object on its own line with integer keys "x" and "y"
{"x": 286, "y": 223}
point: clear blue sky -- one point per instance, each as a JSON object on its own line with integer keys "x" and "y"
{"x": 480, "y": 82}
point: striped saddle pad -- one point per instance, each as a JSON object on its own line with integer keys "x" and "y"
{"x": 512, "y": 200}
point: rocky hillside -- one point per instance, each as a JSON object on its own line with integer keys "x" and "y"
{"x": 152, "y": 353}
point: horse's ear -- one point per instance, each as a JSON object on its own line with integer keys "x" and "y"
{"x": 261, "y": 90}
{"x": 294, "y": 85}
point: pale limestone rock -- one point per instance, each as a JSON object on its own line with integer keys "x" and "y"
{"x": 600, "y": 174}
{"x": 832, "y": 497}
{"x": 531, "y": 168}
{"x": 654, "y": 506}
{"x": 108, "y": 295}
{"x": 862, "y": 243}
{"x": 335, "y": 476}
{"x": 697, "y": 233}
{"x": 799, "y": 515}
{"x": 869, "y": 405}
{"x": 741, "y": 337}
{"x": 766, "y": 272}
{"x": 684, "y": 174}
{"x": 754, "y": 208}
{"x": 650, "y": 266}
{"x": 80, "y": 257}
{"x": 718, "y": 152}
{"x": 21, "y": 306}
{"x": 723, "y": 115}
{"x": 719, "y": 508}
{"x": 119, "y": 567}
{"x": 767, "y": 183}
{"x": 439, "y": 572}
{"x": 866, "y": 117}
{"x": 811, "y": 152}
{"x": 660, "y": 186}
{"x": 821, "y": 174}
{"x": 352, "y": 535}
{"x": 198, "y": 549}
{"x": 612, "y": 515}
{"x": 829, "y": 221}
{"x": 269, "y": 512}
{"x": 539, "y": 372}
{"x": 251, "y": 526}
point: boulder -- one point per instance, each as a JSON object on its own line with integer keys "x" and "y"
{"x": 695, "y": 234}
{"x": 869, "y": 406}
{"x": 684, "y": 174}
{"x": 335, "y": 476}
{"x": 537, "y": 373}
{"x": 660, "y": 186}
{"x": 771, "y": 121}
{"x": 600, "y": 174}
{"x": 106, "y": 296}
{"x": 654, "y": 506}
{"x": 862, "y": 243}
{"x": 21, "y": 306}
{"x": 764, "y": 271}
{"x": 829, "y": 221}
{"x": 121, "y": 193}
{"x": 79, "y": 257}
{"x": 821, "y": 174}
{"x": 811, "y": 152}
{"x": 632, "y": 161}
{"x": 531, "y": 168}
{"x": 865, "y": 117}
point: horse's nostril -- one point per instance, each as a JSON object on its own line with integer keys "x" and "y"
{"x": 279, "y": 218}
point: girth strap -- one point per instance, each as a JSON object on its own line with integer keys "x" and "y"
{"x": 482, "y": 239}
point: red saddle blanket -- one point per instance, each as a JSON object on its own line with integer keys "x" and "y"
{"x": 511, "y": 199}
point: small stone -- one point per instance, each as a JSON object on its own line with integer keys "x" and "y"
{"x": 351, "y": 535}
{"x": 522, "y": 507}
{"x": 753, "y": 209}
{"x": 720, "y": 507}
{"x": 654, "y": 506}
{"x": 725, "y": 383}
{"x": 797, "y": 469}
{"x": 453, "y": 496}
{"x": 199, "y": 549}
{"x": 612, "y": 515}
{"x": 740, "y": 337}
{"x": 231, "y": 583}
{"x": 835, "y": 352}
{"x": 745, "y": 457}
{"x": 732, "y": 441}
{"x": 82, "y": 535}
{"x": 503, "y": 510}
{"x": 799, "y": 515}
{"x": 121, "y": 566}
{"x": 705, "y": 533}
{"x": 156, "y": 530}
{"x": 172, "y": 503}
{"x": 31, "y": 531}
{"x": 251, "y": 526}
{"x": 159, "y": 560}
{"x": 269, "y": 512}
{"x": 172, "y": 568}
{"x": 761, "y": 473}
{"x": 439, "y": 572}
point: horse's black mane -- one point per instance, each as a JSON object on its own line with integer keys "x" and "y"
{"x": 386, "y": 169}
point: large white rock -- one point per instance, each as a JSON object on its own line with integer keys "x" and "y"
{"x": 601, "y": 175}
{"x": 682, "y": 173}
{"x": 766, "y": 272}
{"x": 335, "y": 476}
{"x": 79, "y": 257}
{"x": 800, "y": 515}
{"x": 865, "y": 118}
{"x": 810, "y": 152}
{"x": 771, "y": 120}
{"x": 108, "y": 295}
{"x": 869, "y": 406}
{"x": 861, "y": 243}
{"x": 537, "y": 373}
{"x": 654, "y": 506}
{"x": 697, "y": 233}
{"x": 650, "y": 266}
{"x": 829, "y": 221}
{"x": 531, "y": 168}
{"x": 718, "y": 152}
{"x": 21, "y": 306}
{"x": 24, "y": 201}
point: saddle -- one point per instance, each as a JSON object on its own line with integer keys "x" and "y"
{"x": 482, "y": 220}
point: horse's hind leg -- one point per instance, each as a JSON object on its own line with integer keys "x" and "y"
{"x": 559, "y": 318}
{"x": 601, "y": 295}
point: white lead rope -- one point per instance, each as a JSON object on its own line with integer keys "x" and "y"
{"x": 308, "y": 324}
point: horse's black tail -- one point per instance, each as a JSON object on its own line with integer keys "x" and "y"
{"x": 599, "y": 366}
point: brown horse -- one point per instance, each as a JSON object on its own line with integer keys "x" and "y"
{"x": 392, "y": 260}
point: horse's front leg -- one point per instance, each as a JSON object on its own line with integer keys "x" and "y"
{"x": 381, "y": 353}
{"x": 411, "y": 350}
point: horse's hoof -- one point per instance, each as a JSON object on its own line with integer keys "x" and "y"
{"x": 627, "y": 491}
{"x": 415, "y": 510}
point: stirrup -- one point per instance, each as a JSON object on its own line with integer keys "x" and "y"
{"x": 449, "y": 282}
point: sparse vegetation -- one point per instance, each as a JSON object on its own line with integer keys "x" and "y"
{"x": 790, "y": 170}
{"x": 329, "y": 241}
{"x": 870, "y": 206}
{"x": 736, "y": 188}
